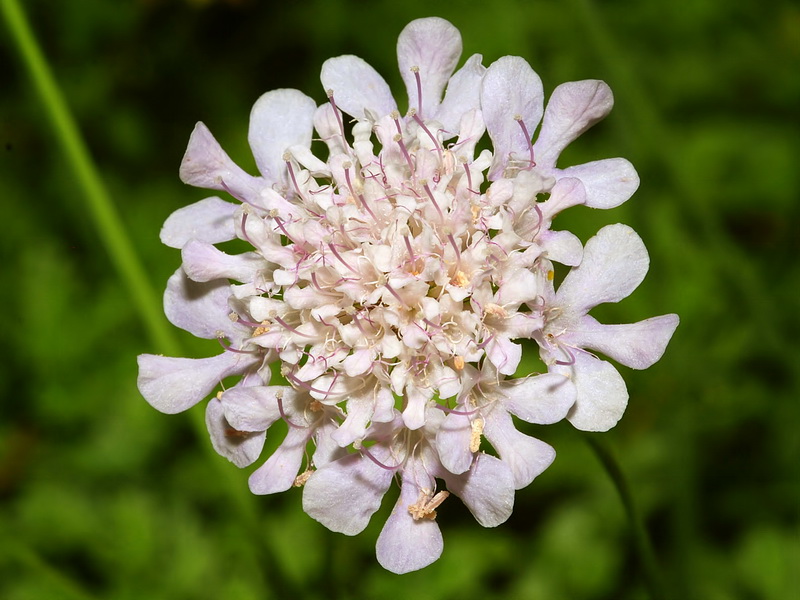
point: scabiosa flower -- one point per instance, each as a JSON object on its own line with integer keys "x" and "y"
{"x": 390, "y": 284}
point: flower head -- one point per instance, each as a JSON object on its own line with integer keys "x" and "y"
{"x": 390, "y": 284}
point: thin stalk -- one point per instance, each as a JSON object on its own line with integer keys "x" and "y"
{"x": 641, "y": 539}
{"x": 130, "y": 270}
{"x": 101, "y": 208}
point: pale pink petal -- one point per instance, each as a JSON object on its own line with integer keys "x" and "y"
{"x": 572, "y": 109}
{"x": 203, "y": 262}
{"x": 463, "y": 95}
{"x": 344, "y": 494}
{"x": 416, "y": 403}
{"x": 453, "y": 442}
{"x": 281, "y": 469}
{"x": 562, "y": 247}
{"x": 608, "y": 182}
{"x": 510, "y": 90}
{"x": 210, "y": 220}
{"x": 541, "y": 399}
{"x": 239, "y": 447}
{"x": 635, "y": 345}
{"x": 406, "y": 544}
{"x": 614, "y": 263}
{"x": 567, "y": 192}
{"x": 279, "y": 119}
{"x": 200, "y": 308}
{"x": 205, "y": 164}
{"x": 359, "y": 411}
{"x": 487, "y": 490}
{"x": 526, "y": 456}
{"x": 358, "y": 89}
{"x": 504, "y": 354}
{"x": 255, "y": 408}
{"x": 434, "y": 46}
{"x": 173, "y": 385}
{"x": 602, "y": 395}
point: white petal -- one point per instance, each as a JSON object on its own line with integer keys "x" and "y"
{"x": 602, "y": 395}
{"x": 541, "y": 399}
{"x": 608, "y": 182}
{"x": 205, "y": 164}
{"x": 487, "y": 489}
{"x": 343, "y": 495}
{"x": 173, "y": 385}
{"x": 635, "y": 345}
{"x": 453, "y": 442}
{"x": 526, "y": 456}
{"x": 279, "y": 119}
{"x": 463, "y": 95}
{"x": 614, "y": 263}
{"x": 406, "y": 545}
{"x": 203, "y": 262}
{"x": 510, "y": 89}
{"x": 280, "y": 470}
{"x": 358, "y": 89}
{"x": 200, "y": 308}
{"x": 241, "y": 448}
{"x": 210, "y": 220}
{"x": 255, "y": 408}
{"x": 562, "y": 247}
{"x": 573, "y": 108}
{"x": 434, "y": 46}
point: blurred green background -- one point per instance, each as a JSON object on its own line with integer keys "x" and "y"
{"x": 103, "y": 497}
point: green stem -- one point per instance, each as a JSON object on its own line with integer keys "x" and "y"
{"x": 125, "y": 260}
{"x": 101, "y": 208}
{"x": 641, "y": 539}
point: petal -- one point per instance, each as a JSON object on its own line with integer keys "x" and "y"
{"x": 542, "y": 399}
{"x": 358, "y": 89}
{"x": 405, "y": 544}
{"x": 200, "y": 308}
{"x": 453, "y": 442}
{"x": 343, "y": 495}
{"x": 573, "y": 108}
{"x": 510, "y": 89}
{"x": 608, "y": 182}
{"x": 614, "y": 263}
{"x": 280, "y": 470}
{"x": 241, "y": 448}
{"x": 487, "y": 490}
{"x": 210, "y": 220}
{"x": 205, "y": 164}
{"x": 463, "y": 95}
{"x": 279, "y": 119}
{"x": 635, "y": 345}
{"x": 504, "y": 354}
{"x": 203, "y": 262}
{"x": 562, "y": 247}
{"x": 526, "y": 456}
{"x": 255, "y": 408}
{"x": 602, "y": 395}
{"x": 173, "y": 385}
{"x": 354, "y": 427}
{"x": 434, "y": 46}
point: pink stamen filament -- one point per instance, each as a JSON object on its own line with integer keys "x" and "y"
{"x": 285, "y": 325}
{"x": 368, "y": 454}
{"x": 339, "y": 118}
{"x": 433, "y": 200}
{"x": 294, "y": 180}
{"x": 430, "y": 135}
{"x": 340, "y": 259}
{"x": 237, "y": 196}
{"x": 568, "y": 352}
{"x": 307, "y": 386}
{"x": 283, "y": 413}
{"x": 399, "y": 140}
{"x": 415, "y": 70}
{"x": 453, "y": 411}
{"x": 411, "y": 254}
{"x": 229, "y": 348}
{"x": 455, "y": 247}
{"x": 394, "y": 293}
{"x": 527, "y": 139}
{"x": 360, "y": 197}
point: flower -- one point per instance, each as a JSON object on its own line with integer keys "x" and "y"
{"x": 390, "y": 285}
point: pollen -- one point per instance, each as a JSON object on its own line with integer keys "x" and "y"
{"x": 477, "y": 432}
{"x": 550, "y": 275}
{"x": 264, "y": 328}
{"x": 425, "y": 506}
{"x": 301, "y": 479}
{"x": 460, "y": 279}
{"x": 458, "y": 362}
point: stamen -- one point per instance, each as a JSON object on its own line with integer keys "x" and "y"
{"x": 285, "y": 325}
{"x": 433, "y": 200}
{"x": 399, "y": 139}
{"x": 339, "y": 118}
{"x": 279, "y": 398}
{"x": 368, "y": 454}
{"x": 341, "y": 260}
{"x": 527, "y": 135}
{"x": 415, "y": 116}
{"x": 415, "y": 70}
{"x": 347, "y": 166}
{"x": 229, "y": 348}
{"x": 453, "y": 411}
{"x": 286, "y": 158}
{"x": 394, "y": 293}
{"x": 455, "y": 246}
